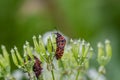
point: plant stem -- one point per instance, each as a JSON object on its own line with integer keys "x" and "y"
{"x": 62, "y": 65}
{"x": 52, "y": 72}
{"x": 31, "y": 76}
{"x": 77, "y": 75}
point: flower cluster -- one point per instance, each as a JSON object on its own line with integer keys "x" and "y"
{"x": 40, "y": 63}
{"x": 5, "y": 69}
{"x": 104, "y": 56}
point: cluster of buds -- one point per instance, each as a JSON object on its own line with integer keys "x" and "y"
{"x": 82, "y": 51}
{"x": 35, "y": 56}
{"x": 5, "y": 65}
{"x": 45, "y": 52}
{"x": 26, "y": 62}
{"x": 104, "y": 56}
{"x": 42, "y": 54}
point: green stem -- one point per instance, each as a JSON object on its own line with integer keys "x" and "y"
{"x": 62, "y": 65}
{"x": 52, "y": 72}
{"x": 77, "y": 75}
{"x": 63, "y": 69}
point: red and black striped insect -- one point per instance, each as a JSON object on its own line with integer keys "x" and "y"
{"x": 60, "y": 41}
{"x": 37, "y": 67}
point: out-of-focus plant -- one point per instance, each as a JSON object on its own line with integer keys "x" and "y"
{"x": 104, "y": 55}
{"x": 26, "y": 62}
{"x": 82, "y": 52}
{"x": 5, "y": 68}
{"x": 40, "y": 62}
{"x": 46, "y": 52}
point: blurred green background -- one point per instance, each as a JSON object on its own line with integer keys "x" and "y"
{"x": 93, "y": 20}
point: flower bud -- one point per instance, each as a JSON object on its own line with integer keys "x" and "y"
{"x": 14, "y": 58}
{"x": 54, "y": 42}
{"x": 5, "y": 53}
{"x": 2, "y": 60}
{"x": 49, "y": 45}
{"x": 90, "y": 52}
{"x": 29, "y": 51}
{"x": 18, "y": 55}
{"x": 102, "y": 58}
{"x": 25, "y": 53}
{"x": 83, "y": 48}
{"x": 100, "y": 54}
{"x": 108, "y": 49}
{"x": 100, "y": 50}
{"x": 41, "y": 45}
{"x": 75, "y": 49}
{"x": 37, "y": 48}
{"x": 86, "y": 50}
